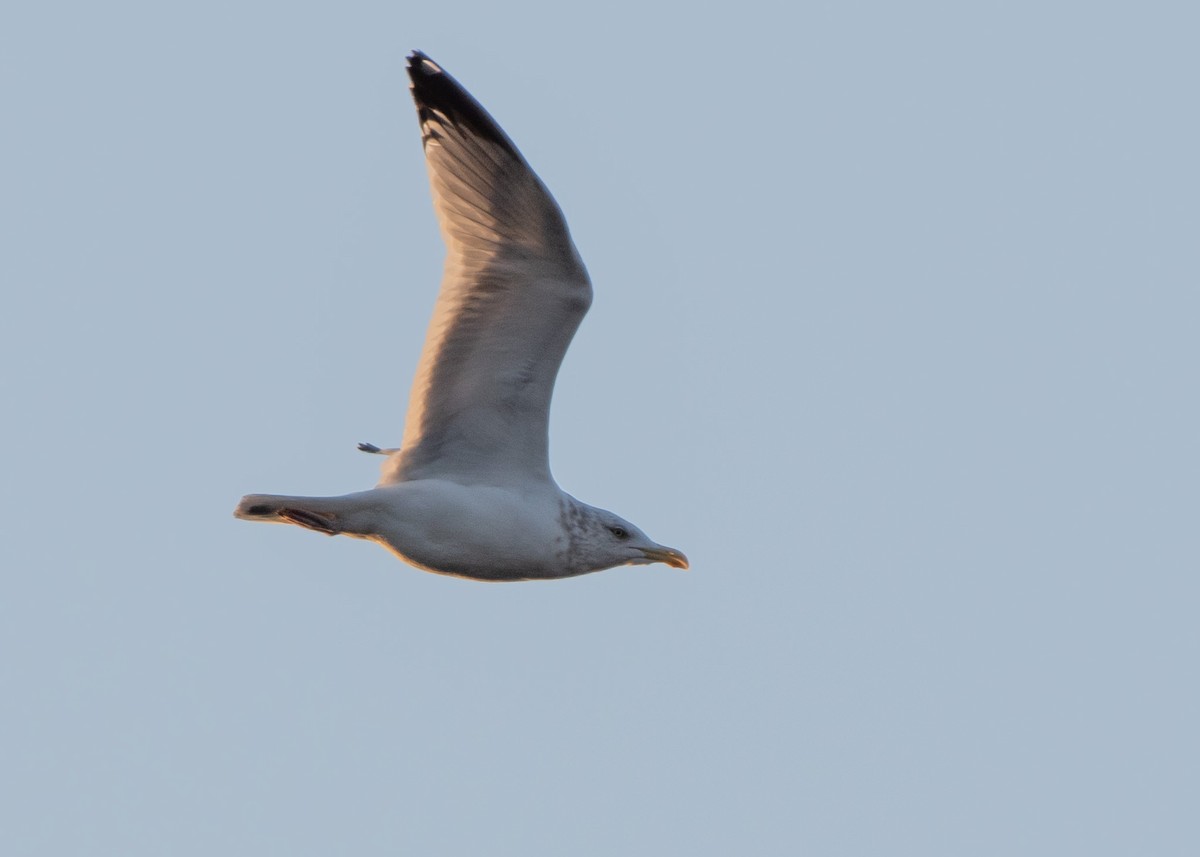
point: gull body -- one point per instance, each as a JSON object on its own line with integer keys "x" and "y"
{"x": 484, "y": 532}
{"x": 469, "y": 491}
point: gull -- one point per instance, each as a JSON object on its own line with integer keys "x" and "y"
{"x": 468, "y": 492}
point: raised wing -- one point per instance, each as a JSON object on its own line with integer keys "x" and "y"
{"x": 513, "y": 293}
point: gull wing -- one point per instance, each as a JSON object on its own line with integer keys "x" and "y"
{"x": 513, "y": 293}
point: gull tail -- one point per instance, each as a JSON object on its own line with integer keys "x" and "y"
{"x": 323, "y": 514}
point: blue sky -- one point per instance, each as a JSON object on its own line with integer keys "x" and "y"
{"x": 894, "y": 335}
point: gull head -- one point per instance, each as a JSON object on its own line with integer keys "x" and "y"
{"x": 601, "y": 539}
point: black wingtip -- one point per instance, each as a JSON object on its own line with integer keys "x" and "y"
{"x": 417, "y": 61}
{"x": 435, "y": 90}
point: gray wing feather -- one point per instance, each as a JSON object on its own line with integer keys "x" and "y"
{"x": 513, "y": 293}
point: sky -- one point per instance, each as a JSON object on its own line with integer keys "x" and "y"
{"x": 894, "y": 334}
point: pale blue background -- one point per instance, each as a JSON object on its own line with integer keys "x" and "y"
{"x": 895, "y": 334}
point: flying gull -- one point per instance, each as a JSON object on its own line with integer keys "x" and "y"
{"x": 469, "y": 491}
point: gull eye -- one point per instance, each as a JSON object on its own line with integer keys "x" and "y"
{"x": 619, "y": 532}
